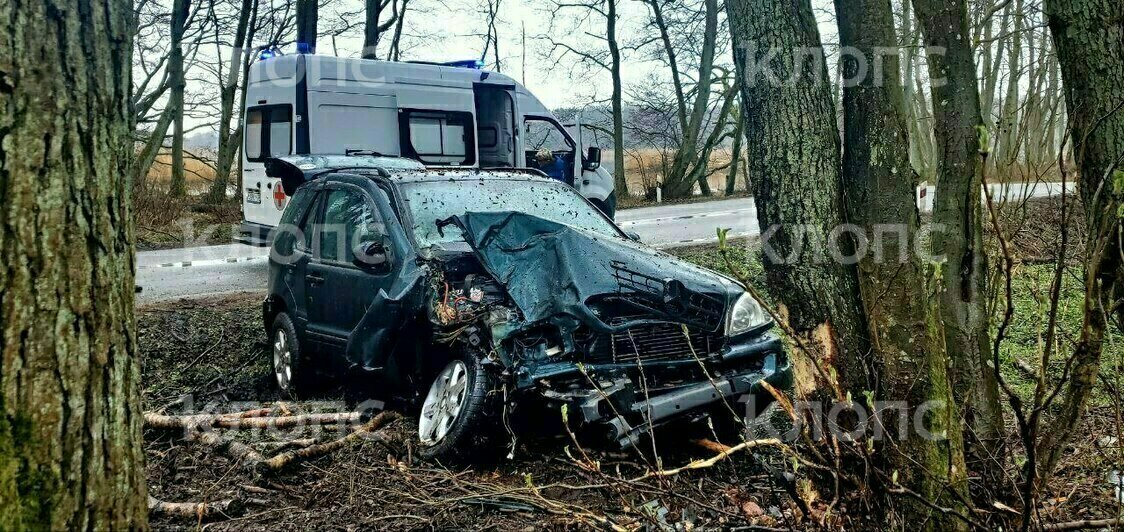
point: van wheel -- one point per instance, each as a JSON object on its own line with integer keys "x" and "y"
{"x": 461, "y": 412}
{"x": 609, "y": 206}
{"x": 288, "y": 364}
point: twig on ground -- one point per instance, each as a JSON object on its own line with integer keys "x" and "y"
{"x": 285, "y": 459}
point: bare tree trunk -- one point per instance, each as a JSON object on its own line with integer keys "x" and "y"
{"x": 308, "y": 12}
{"x": 735, "y": 153}
{"x": 152, "y": 147}
{"x": 687, "y": 157}
{"x": 905, "y": 329}
{"x": 230, "y": 139}
{"x": 620, "y": 180}
{"x": 1090, "y": 49}
{"x": 70, "y": 433}
{"x": 371, "y": 29}
{"x": 793, "y": 151}
{"x": 957, "y": 213}
{"x": 180, "y": 9}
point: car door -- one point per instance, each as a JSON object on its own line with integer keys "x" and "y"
{"x": 292, "y": 250}
{"x": 339, "y": 291}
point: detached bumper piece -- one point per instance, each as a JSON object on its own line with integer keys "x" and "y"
{"x": 620, "y": 408}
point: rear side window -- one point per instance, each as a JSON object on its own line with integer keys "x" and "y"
{"x": 438, "y": 137}
{"x": 294, "y": 221}
{"x": 269, "y": 132}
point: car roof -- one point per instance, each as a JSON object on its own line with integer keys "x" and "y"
{"x": 296, "y": 170}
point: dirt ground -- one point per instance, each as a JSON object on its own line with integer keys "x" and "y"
{"x": 214, "y": 350}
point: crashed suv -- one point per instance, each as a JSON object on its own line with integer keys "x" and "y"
{"x": 475, "y": 294}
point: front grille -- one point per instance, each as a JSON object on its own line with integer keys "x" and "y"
{"x": 652, "y": 343}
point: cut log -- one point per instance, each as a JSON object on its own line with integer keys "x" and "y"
{"x": 237, "y": 450}
{"x": 235, "y": 421}
{"x": 283, "y": 460}
{"x": 192, "y": 510}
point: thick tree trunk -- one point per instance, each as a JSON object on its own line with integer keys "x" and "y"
{"x": 1090, "y": 46}
{"x": 957, "y": 214}
{"x": 308, "y": 12}
{"x": 620, "y": 180}
{"x": 905, "y": 328}
{"x": 180, "y": 8}
{"x": 793, "y": 150}
{"x": 70, "y": 419}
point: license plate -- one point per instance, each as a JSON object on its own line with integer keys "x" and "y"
{"x": 253, "y": 195}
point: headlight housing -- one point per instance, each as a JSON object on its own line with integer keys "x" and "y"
{"x": 745, "y": 316}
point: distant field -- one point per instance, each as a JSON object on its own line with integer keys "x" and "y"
{"x": 643, "y": 168}
{"x": 199, "y": 175}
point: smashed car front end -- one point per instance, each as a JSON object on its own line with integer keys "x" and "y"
{"x": 626, "y": 337}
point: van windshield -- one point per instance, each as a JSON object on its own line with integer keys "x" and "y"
{"x": 431, "y": 201}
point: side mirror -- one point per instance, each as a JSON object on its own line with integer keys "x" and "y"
{"x": 370, "y": 255}
{"x": 633, "y": 235}
{"x": 592, "y": 159}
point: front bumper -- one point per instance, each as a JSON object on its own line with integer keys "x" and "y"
{"x": 624, "y": 411}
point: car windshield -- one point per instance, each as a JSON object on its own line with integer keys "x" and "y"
{"x": 431, "y": 201}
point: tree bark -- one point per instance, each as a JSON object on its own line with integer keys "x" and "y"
{"x": 905, "y": 329}
{"x": 620, "y": 180}
{"x": 957, "y": 215}
{"x": 70, "y": 433}
{"x": 1090, "y": 47}
{"x": 180, "y": 8}
{"x": 735, "y": 154}
{"x": 793, "y": 151}
{"x": 371, "y": 29}
{"x": 307, "y": 16}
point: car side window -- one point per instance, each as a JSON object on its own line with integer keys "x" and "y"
{"x": 349, "y": 219}
{"x": 308, "y": 225}
{"x": 289, "y": 231}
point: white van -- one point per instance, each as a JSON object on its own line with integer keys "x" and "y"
{"x": 440, "y": 114}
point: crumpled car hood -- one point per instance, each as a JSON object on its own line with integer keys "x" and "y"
{"x": 570, "y": 278}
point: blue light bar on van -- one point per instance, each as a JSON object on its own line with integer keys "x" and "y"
{"x": 475, "y": 64}
{"x": 269, "y": 53}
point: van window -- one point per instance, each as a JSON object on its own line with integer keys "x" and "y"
{"x": 269, "y": 132}
{"x": 438, "y": 137}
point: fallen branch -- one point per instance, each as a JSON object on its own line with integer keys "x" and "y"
{"x": 238, "y": 450}
{"x": 192, "y": 510}
{"x": 1087, "y": 523}
{"x": 283, "y": 460}
{"x": 245, "y": 421}
{"x": 709, "y": 462}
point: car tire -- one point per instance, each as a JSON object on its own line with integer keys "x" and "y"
{"x": 289, "y": 367}
{"x": 460, "y": 416}
{"x": 608, "y": 207}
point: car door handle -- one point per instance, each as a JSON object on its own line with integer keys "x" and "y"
{"x": 314, "y": 280}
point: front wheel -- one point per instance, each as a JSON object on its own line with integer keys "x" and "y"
{"x": 459, "y": 417}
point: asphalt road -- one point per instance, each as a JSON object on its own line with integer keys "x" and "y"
{"x": 171, "y": 274}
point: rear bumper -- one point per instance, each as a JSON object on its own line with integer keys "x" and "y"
{"x": 253, "y": 234}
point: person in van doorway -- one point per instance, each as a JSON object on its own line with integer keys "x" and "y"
{"x": 551, "y": 165}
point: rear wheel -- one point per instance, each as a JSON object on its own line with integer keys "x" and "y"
{"x": 461, "y": 413}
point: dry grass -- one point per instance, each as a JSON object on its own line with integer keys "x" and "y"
{"x": 644, "y": 168}
{"x": 199, "y": 173}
